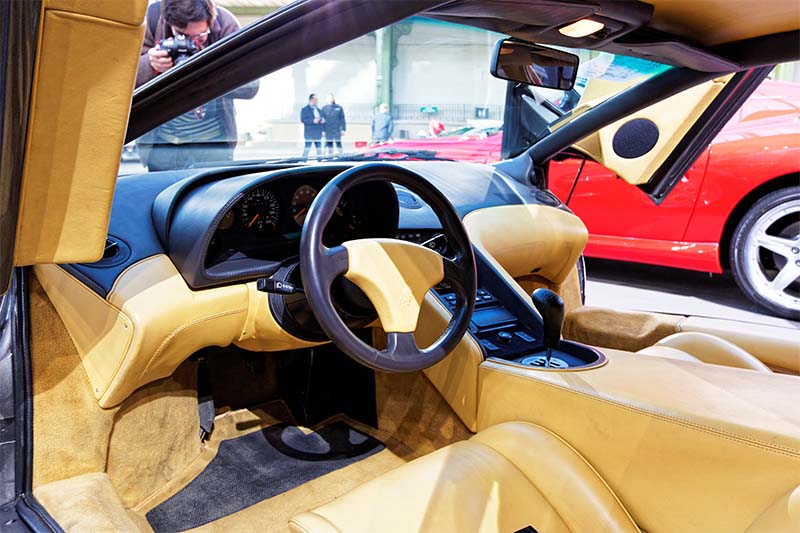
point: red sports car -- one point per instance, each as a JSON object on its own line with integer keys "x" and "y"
{"x": 737, "y": 207}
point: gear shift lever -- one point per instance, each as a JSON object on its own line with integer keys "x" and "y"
{"x": 551, "y": 307}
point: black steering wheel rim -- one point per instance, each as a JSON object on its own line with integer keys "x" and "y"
{"x": 320, "y": 265}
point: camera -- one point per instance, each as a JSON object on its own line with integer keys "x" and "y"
{"x": 180, "y": 48}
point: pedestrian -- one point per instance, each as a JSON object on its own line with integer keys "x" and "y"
{"x": 313, "y": 124}
{"x": 207, "y": 133}
{"x": 382, "y": 125}
{"x": 334, "y": 125}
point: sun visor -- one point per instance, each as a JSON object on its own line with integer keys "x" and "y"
{"x": 84, "y": 77}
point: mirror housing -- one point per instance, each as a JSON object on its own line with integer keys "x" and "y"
{"x": 535, "y": 65}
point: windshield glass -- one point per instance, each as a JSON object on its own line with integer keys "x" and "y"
{"x": 418, "y": 89}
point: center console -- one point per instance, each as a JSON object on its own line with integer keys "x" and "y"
{"x": 508, "y": 329}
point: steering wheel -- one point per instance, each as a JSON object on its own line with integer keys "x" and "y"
{"x": 395, "y": 275}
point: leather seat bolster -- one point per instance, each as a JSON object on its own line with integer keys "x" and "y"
{"x": 669, "y": 353}
{"x": 713, "y": 350}
{"x": 506, "y": 478}
{"x": 565, "y": 478}
{"x": 311, "y": 522}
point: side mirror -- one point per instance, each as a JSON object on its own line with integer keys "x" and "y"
{"x": 534, "y": 65}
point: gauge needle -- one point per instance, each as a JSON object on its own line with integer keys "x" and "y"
{"x": 301, "y": 212}
{"x": 254, "y": 219}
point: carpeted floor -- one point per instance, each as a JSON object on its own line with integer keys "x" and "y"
{"x": 259, "y": 466}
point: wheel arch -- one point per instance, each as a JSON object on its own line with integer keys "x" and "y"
{"x": 744, "y": 204}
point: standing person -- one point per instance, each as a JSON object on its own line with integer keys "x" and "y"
{"x": 334, "y": 125}
{"x": 208, "y": 132}
{"x": 313, "y": 122}
{"x": 382, "y": 125}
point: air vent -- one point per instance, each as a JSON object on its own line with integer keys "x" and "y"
{"x": 116, "y": 252}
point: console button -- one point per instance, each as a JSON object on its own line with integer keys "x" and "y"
{"x": 524, "y": 336}
{"x": 491, "y": 347}
{"x": 504, "y": 337}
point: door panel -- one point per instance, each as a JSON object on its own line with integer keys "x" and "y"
{"x": 636, "y": 146}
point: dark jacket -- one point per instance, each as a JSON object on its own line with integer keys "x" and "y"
{"x": 157, "y": 29}
{"x": 334, "y": 121}
{"x": 311, "y": 131}
{"x": 382, "y": 127}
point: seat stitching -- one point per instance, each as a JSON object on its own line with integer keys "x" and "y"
{"x": 775, "y": 448}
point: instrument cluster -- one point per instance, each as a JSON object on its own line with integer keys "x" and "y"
{"x": 267, "y": 222}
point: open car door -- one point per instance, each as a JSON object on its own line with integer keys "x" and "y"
{"x": 67, "y": 71}
{"x": 654, "y": 147}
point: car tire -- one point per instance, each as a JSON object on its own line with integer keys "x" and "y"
{"x": 765, "y": 252}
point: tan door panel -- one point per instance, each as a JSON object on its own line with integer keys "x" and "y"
{"x": 84, "y": 77}
{"x": 673, "y": 118}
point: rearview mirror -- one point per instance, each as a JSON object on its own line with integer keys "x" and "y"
{"x": 534, "y": 65}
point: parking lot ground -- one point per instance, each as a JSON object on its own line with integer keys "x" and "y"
{"x": 636, "y": 287}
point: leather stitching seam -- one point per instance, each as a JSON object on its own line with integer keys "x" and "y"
{"x": 776, "y": 448}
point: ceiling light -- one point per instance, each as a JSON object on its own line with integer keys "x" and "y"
{"x": 581, "y": 28}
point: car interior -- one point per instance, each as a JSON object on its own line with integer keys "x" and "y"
{"x": 390, "y": 346}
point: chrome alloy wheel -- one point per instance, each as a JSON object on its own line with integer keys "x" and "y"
{"x": 771, "y": 255}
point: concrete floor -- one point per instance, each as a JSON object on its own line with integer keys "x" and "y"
{"x": 632, "y": 286}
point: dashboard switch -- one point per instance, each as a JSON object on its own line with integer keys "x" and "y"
{"x": 504, "y": 337}
{"x": 490, "y": 347}
{"x": 276, "y": 286}
{"x": 524, "y": 336}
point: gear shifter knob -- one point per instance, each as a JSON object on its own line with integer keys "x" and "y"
{"x": 551, "y": 307}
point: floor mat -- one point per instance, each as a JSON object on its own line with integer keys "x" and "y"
{"x": 258, "y": 466}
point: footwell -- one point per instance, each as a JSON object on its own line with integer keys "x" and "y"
{"x": 258, "y": 466}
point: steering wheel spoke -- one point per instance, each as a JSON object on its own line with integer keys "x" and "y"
{"x": 395, "y": 275}
{"x": 333, "y": 263}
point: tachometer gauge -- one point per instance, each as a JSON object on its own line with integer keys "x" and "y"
{"x": 260, "y": 211}
{"x": 301, "y": 202}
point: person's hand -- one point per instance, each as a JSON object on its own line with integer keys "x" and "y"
{"x": 316, "y": 120}
{"x": 159, "y": 60}
{"x": 341, "y": 133}
{"x": 322, "y": 121}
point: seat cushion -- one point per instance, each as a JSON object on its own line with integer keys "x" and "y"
{"x": 504, "y": 479}
{"x": 705, "y": 348}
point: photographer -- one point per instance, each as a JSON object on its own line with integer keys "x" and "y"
{"x": 175, "y": 30}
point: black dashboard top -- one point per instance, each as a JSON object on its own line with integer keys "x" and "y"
{"x": 230, "y": 224}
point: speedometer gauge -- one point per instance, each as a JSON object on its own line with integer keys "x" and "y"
{"x": 260, "y": 211}
{"x": 301, "y": 202}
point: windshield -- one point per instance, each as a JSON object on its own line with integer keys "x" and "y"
{"x": 418, "y": 89}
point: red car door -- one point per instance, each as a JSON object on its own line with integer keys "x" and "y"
{"x": 625, "y": 223}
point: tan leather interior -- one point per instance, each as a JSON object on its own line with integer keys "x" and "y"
{"x": 622, "y": 330}
{"x": 775, "y": 346}
{"x": 491, "y": 483}
{"x": 673, "y": 116}
{"x": 535, "y": 239}
{"x": 711, "y": 22}
{"x": 77, "y": 126}
{"x": 151, "y": 322}
{"x": 704, "y": 348}
{"x": 456, "y": 376}
{"x": 395, "y": 275}
{"x": 665, "y": 434}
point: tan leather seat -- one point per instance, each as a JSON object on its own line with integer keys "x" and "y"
{"x": 704, "y": 348}
{"x": 504, "y": 479}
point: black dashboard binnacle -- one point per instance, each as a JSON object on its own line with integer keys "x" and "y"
{"x": 267, "y": 221}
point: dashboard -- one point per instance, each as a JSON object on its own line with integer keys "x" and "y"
{"x": 232, "y": 224}
{"x": 267, "y": 221}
